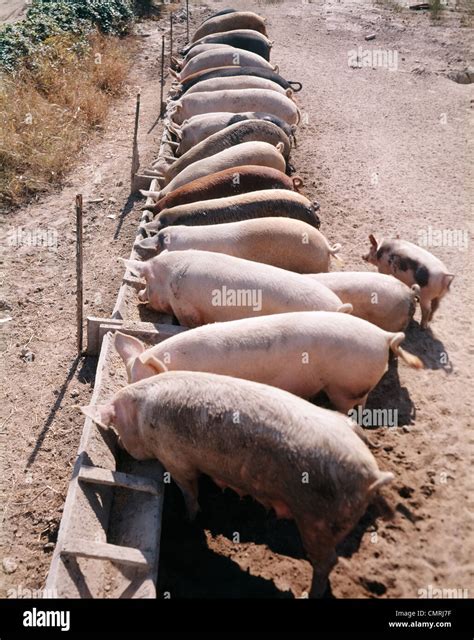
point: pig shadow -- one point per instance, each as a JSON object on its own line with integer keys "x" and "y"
{"x": 190, "y": 569}
{"x": 388, "y": 395}
{"x": 422, "y": 343}
{"x": 391, "y": 396}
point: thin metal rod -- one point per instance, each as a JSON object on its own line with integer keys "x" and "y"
{"x": 187, "y": 20}
{"x": 162, "y": 74}
{"x": 171, "y": 36}
{"x": 135, "y": 155}
{"x": 79, "y": 266}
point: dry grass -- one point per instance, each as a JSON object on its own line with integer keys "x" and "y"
{"x": 51, "y": 105}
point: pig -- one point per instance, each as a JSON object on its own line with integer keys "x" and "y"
{"x": 412, "y": 265}
{"x": 235, "y": 72}
{"x": 199, "y": 287}
{"x": 198, "y": 128}
{"x": 268, "y": 203}
{"x": 255, "y": 153}
{"x": 229, "y": 182}
{"x": 195, "y": 51}
{"x": 221, "y": 57}
{"x": 219, "y": 13}
{"x": 235, "y": 102}
{"x": 282, "y": 242}
{"x": 230, "y": 22}
{"x": 235, "y": 83}
{"x": 304, "y": 352}
{"x": 375, "y": 297}
{"x": 187, "y": 420}
{"x": 245, "y": 131}
{"x": 238, "y": 38}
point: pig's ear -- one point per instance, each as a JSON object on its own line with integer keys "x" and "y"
{"x": 154, "y": 363}
{"x": 101, "y": 414}
{"x": 135, "y": 266}
{"x": 373, "y": 241}
{"x": 128, "y": 346}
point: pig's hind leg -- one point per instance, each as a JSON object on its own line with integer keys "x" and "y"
{"x": 319, "y": 545}
{"x": 434, "y": 307}
{"x": 426, "y": 309}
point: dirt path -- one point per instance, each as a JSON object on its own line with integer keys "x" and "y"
{"x": 12, "y": 10}
{"x": 383, "y": 151}
{"x": 39, "y": 426}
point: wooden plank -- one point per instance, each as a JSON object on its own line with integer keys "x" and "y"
{"x": 87, "y": 508}
{"x": 93, "y": 339}
{"x": 141, "y": 181}
{"x": 151, "y": 332}
{"x": 98, "y": 475}
{"x": 80, "y": 547}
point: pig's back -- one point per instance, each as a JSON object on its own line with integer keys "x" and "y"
{"x": 253, "y": 436}
{"x": 282, "y": 291}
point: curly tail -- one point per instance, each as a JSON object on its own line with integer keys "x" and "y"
{"x": 345, "y": 308}
{"x": 297, "y": 183}
{"x": 334, "y": 250}
{"x": 384, "y": 478}
{"x": 409, "y": 358}
{"x": 416, "y": 291}
{"x": 383, "y": 506}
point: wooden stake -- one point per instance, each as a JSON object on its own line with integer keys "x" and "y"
{"x": 135, "y": 155}
{"x": 79, "y": 264}
{"x": 171, "y": 37}
{"x": 162, "y": 75}
{"x": 187, "y": 21}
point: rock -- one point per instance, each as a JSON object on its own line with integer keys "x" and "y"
{"x": 49, "y": 546}
{"x": 462, "y": 77}
{"x": 74, "y": 393}
{"x": 27, "y": 355}
{"x": 119, "y": 183}
{"x": 9, "y": 565}
{"x": 371, "y": 36}
{"x": 112, "y": 200}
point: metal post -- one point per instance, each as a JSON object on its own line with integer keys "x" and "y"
{"x": 162, "y": 74}
{"x": 171, "y": 37}
{"x": 135, "y": 155}
{"x": 187, "y": 20}
{"x": 79, "y": 264}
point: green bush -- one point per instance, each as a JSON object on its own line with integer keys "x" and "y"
{"x": 46, "y": 18}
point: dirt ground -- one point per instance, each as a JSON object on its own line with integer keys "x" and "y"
{"x": 383, "y": 151}
{"x": 11, "y": 10}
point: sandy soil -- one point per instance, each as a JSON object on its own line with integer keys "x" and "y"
{"x": 384, "y": 152}
{"x": 11, "y": 10}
